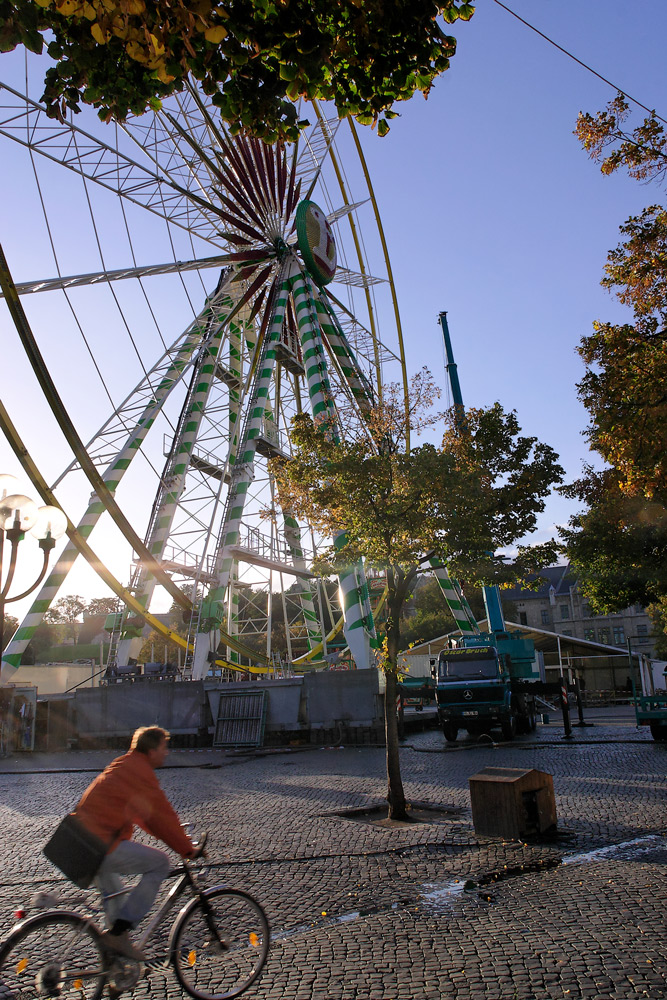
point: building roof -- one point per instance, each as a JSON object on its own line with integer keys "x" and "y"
{"x": 561, "y": 578}
{"x": 545, "y": 642}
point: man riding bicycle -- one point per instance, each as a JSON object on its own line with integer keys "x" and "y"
{"x": 127, "y": 793}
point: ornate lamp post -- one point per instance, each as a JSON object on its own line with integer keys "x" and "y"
{"x": 19, "y": 515}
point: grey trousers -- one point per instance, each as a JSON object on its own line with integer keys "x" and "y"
{"x": 130, "y": 858}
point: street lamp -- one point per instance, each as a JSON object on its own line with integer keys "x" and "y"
{"x": 19, "y": 515}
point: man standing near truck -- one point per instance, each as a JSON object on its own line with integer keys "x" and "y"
{"x": 127, "y": 793}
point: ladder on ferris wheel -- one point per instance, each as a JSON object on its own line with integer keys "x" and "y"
{"x": 118, "y": 627}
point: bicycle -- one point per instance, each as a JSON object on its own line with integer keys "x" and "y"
{"x": 218, "y": 945}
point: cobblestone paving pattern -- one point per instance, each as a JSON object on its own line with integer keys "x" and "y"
{"x": 366, "y": 912}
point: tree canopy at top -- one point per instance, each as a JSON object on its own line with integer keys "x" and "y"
{"x": 254, "y": 57}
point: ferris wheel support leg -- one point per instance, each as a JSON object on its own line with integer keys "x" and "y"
{"x": 345, "y": 357}
{"x": 242, "y": 473}
{"x": 112, "y": 477}
{"x": 178, "y": 463}
{"x": 359, "y": 629}
{"x": 293, "y": 539}
{"x": 453, "y": 595}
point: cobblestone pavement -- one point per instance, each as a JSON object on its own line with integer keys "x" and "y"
{"x": 362, "y": 910}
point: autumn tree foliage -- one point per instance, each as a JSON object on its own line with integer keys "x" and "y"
{"x": 618, "y": 541}
{"x": 479, "y": 490}
{"x": 255, "y": 58}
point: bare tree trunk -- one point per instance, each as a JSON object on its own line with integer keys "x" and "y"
{"x": 395, "y": 793}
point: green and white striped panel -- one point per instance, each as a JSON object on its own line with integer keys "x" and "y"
{"x": 340, "y": 346}
{"x": 453, "y": 595}
{"x": 293, "y": 538}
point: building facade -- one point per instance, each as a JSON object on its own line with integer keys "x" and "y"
{"x": 559, "y": 606}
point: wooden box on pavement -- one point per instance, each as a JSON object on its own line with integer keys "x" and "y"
{"x": 511, "y": 802}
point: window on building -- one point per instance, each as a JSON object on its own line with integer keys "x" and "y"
{"x": 642, "y": 634}
{"x": 564, "y": 611}
{"x": 523, "y": 618}
{"x": 586, "y": 609}
{"x": 589, "y": 633}
{"x": 619, "y": 635}
{"x": 544, "y": 614}
{"x": 603, "y": 635}
{"x": 566, "y": 631}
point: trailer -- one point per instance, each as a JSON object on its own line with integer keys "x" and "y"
{"x": 651, "y": 704}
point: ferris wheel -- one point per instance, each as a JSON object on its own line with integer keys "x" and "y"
{"x": 293, "y": 309}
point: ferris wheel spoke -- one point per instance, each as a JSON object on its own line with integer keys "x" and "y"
{"x": 97, "y": 277}
{"x": 25, "y": 121}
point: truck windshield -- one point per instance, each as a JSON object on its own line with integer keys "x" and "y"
{"x": 468, "y": 669}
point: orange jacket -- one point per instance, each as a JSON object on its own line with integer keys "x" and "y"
{"x": 126, "y": 793}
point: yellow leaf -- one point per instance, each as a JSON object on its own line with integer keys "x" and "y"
{"x": 22, "y": 966}
{"x": 215, "y": 34}
{"x": 68, "y": 7}
{"x": 98, "y": 33}
{"x": 135, "y": 6}
{"x": 89, "y": 12}
{"x": 78, "y": 984}
{"x": 192, "y": 958}
{"x": 253, "y": 939}
{"x": 158, "y": 47}
{"x": 162, "y": 74}
{"x": 136, "y": 52}
{"x": 43, "y": 3}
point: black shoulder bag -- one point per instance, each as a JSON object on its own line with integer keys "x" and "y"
{"x": 76, "y": 851}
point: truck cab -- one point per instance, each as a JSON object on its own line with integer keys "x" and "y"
{"x": 485, "y": 684}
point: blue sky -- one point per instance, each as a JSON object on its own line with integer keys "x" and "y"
{"x": 491, "y": 211}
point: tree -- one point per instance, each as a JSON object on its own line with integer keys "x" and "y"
{"x": 642, "y": 150}
{"x": 658, "y": 614}
{"x": 9, "y": 626}
{"x": 254, "y": 59}
{"x": 618, "y": 541}
{"x": 67, "y": 611}
{"x": 103, "y": 606}
{"x": 625, "y": 385}
{"x": 44, "y": 637}
{"x": 480, "y": 490}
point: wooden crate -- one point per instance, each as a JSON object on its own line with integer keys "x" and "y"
{"x": 512, "y": 803}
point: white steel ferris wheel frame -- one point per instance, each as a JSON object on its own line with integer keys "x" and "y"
{"x": 180, "y": 187}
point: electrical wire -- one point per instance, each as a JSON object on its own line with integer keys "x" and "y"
{"x": 604, "y": 79}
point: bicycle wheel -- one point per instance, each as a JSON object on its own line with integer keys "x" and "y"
{"x": 217, "y": 955}
{"x": 52, "y": 955}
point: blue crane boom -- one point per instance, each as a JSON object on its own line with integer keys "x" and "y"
{"x": 492, "y": 602}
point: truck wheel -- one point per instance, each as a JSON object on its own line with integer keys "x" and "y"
{"x": 451, "y": 732}
{"x": 658, "y": 732}
{"x": 508, "y": 726}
